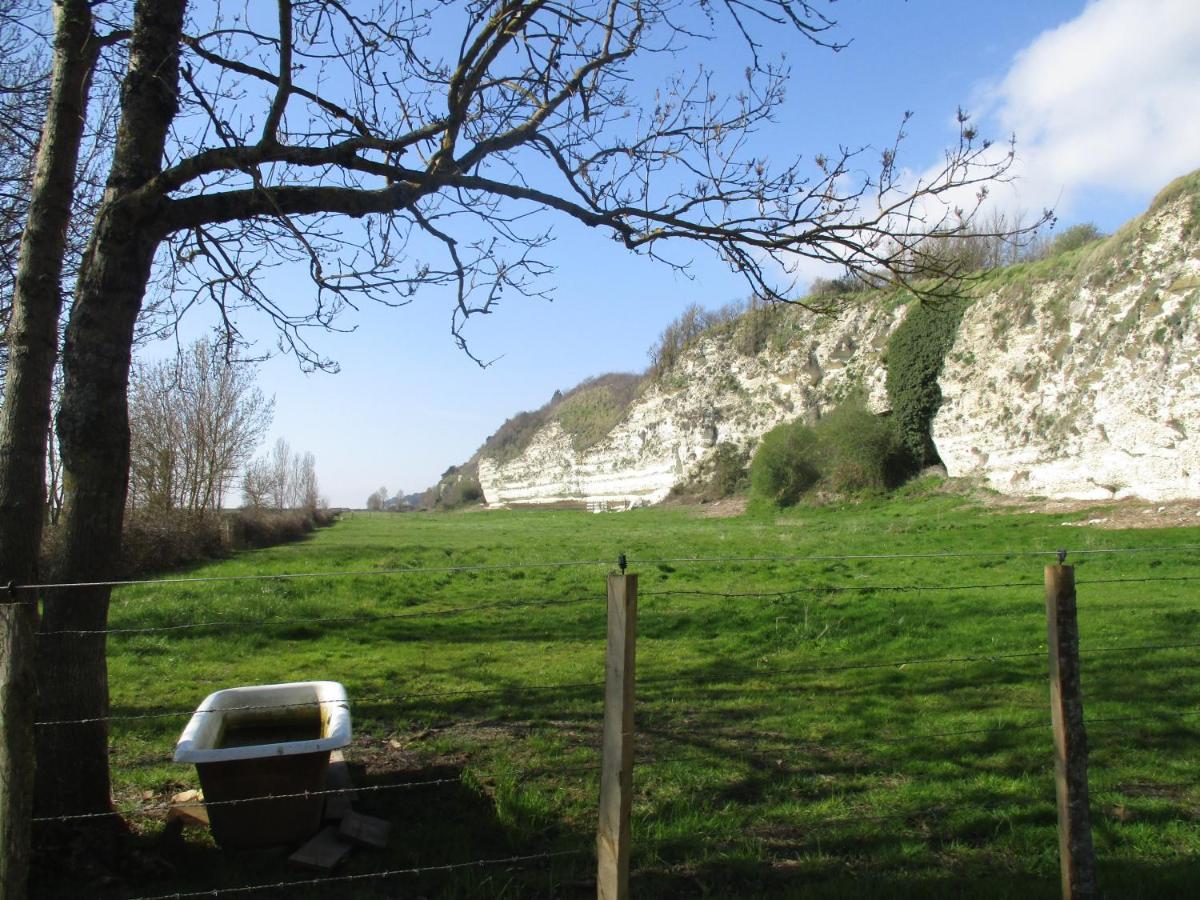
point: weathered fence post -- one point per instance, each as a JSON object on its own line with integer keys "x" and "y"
{"x": 1076, "y": 854}
{"x": 18, "y": 617}
{"x": 616, "y": 774}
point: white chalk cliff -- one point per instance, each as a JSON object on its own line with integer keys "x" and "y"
{"x": 1073, "y": 377}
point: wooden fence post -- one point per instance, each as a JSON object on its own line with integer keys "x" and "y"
{"x": 1077, "y": 857}
{"x": 616, "y": 774}
{"x": 17, "y": 632}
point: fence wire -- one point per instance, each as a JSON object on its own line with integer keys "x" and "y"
{"x": 757, "y": 750}
{"x": 264, "y": 798}
{"x": 900, "y": 588}
{"x": 334, "y": 620}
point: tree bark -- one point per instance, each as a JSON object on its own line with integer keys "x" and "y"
{"x": 37, "y": 298}
{"x": 17, "y": 704}
{"x": 93, "y": 422}
{"x": 25, "y": 418}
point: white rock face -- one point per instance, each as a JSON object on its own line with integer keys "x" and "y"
{"x": 714, "y": 395}
{"x": 1084, "y": 385}
{"x": 1094, "y": 390}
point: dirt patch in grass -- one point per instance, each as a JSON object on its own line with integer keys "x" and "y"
{"x": 1107, "y": 514}
{"x": 725, "y": 508}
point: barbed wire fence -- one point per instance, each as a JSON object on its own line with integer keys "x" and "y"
{"x": 623, "y": 738}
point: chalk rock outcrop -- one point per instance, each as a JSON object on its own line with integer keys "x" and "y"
{"x": 1076, "y": 376}
{"x": 1087, "y": 385}
{"x": 714, "y": 394}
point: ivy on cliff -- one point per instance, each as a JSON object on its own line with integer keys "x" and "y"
{"x": 915, "y": 355}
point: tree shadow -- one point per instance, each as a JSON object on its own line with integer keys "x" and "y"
{"x": 439, "y": 818}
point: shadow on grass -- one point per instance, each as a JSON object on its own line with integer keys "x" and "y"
{"x": 795, "y": 878}
{"x": 432, "y": 825}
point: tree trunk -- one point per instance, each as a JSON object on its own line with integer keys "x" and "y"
{"x": 93, "y": 422}
{"x": 17, "y": 703}
{"x": 25, "y": 417}
{"x": 93, "y": 430}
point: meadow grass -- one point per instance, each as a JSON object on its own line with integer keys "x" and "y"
{"x": 796, "y": 734}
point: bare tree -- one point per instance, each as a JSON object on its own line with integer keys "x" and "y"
{"x": 308, "y": 489}
{"x": 282, "y": 468}
{"x": 31, "y": 341}
{"x": 22, "y": 98}
{"x": 282, "y": 480}
{"x": 23, "y": 86}
{"x": 256, "y": 485}
{"x": 195, "y": 422}
{"x": 454, "y": 156}
{"x": 376, "y": 501}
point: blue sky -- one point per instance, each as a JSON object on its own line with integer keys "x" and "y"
{"x": 1104, "y": 100}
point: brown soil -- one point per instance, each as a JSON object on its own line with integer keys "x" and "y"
{"x": 725, "y": 508}
{"x": 1107, "y": 514}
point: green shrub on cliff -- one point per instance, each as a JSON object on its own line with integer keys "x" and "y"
{"x": 587, "y": 413}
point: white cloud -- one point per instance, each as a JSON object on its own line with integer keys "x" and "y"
{"x": 1104, "y": 107}
{"x": 1108, "y": 102}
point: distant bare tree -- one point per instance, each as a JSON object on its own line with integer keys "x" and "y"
{"x": 283, "y": 479}
{"x": 308, "y": 491}
{"x": 194, "y": 424}
{"x": 279, "y": 463}
{"x": 256, "y": 484}
{"x": 377, "y": 500}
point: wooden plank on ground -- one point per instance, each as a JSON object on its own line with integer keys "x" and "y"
{"x": 324, "y": 851}
{"x": 188, "y": 808}
{"x": 366, "y": 830}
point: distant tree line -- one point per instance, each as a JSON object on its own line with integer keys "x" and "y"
{"x": 195, "y": 422}
{"x": 381, "y": 500}
{"x": 283, "y": 479}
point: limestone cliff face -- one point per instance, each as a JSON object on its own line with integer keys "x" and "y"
{"x": 1073, "y": 377}
{"x": 1086, "y": 385}
{"x": 714, "y": 394}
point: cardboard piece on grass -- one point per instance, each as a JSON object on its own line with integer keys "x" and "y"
{"x": 366, "y": 830}
{"x": 324, "y": 851}
{"x": 187, "y": 807}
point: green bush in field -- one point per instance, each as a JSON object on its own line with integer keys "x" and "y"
{"x": 785, "y": 464}
{"x": 860, "y": 450}
{"x": 849, "y": 451}
{"x": 915, "y": 355}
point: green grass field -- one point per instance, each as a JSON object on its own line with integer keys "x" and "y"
{"x": 798, "y": 738}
